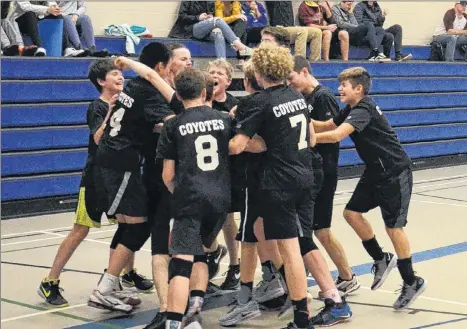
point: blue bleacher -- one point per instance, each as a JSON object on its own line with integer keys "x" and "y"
{"x": 206, "y": 49}
{"x": 44, "y": 102}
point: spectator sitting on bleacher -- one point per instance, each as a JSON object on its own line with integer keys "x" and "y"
{"x": 318, "y": 14}
{"x": 231, "y": 13}
{"x": 257, "y": 19}
{"x": 22, "y": 20}
{"x": 195, "y": 20}
{"x": 360, "y": 34}
{"x": 27, "y": 13}
{"x": 452, "y": 33}
{"x": 11, "y": 39}
{"x": 370, "y": 12}
{"x": 76, "y": 23}
{"x": 281, "y": 14}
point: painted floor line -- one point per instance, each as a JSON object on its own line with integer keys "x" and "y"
{"x": 441, "y": 203}
{"x": 48, "y": 230}
{"x": 58, "y": 312}
{"x": 437, "y": 324}
{"x": 45, "y": 239}
{"x": 43, "y": 312}
{"x": 420, "y": 297}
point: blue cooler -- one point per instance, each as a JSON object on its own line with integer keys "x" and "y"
{"x": 51, "y": 33}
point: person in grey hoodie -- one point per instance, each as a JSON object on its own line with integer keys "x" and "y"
{"x": 359, "y": 34}
{"x": 76, "y": 22}
{"x": 370, "y": 12}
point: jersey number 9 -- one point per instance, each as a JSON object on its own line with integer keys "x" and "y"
{"x": 210, "y": 152}
{"x": 115, "y": 122}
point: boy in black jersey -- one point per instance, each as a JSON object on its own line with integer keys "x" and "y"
{"x": 108, "y": 80}
{"x": 279, "y": 115}
{"x": 118, "y": 168}
{"x": 385, "y": 183}
{"x": 323, "y": 106}
{"x": 194, "y": 146}
{"x": 221, "y": 71}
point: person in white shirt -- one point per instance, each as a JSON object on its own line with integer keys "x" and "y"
{"x": 452, "y": 33}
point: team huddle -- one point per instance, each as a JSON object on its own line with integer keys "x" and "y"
{"x": 169, "y": 161}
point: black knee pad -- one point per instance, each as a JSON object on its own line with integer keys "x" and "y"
{"x": 118, "y": 235}
{"x": 135, "y": 236}
{"x": 201, "y": 259}
{"x": 180, "y": 267}
{"x": 306, "y": 245}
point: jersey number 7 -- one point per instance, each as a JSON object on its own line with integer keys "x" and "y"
{"x": 202, "y": 154}
{"x": 294, "y": 121}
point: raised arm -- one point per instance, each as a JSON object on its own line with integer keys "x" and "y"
{"x": 147, "y": 73}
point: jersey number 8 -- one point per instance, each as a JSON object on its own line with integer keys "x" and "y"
{"x": 115, "y": 122}
{"x": 202, "y": 154}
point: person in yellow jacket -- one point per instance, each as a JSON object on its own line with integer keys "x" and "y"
{"x": 231, "y": 13}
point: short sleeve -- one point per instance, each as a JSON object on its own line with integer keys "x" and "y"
{"x": 359, "y": 118}
{"x": 176, "y": 105}
{"x": 95, "y": 117}
{"x": 166, "y": 148}
{"x": 156, "y": 109}
{"x": 341, "y": 116}
{"x": 327, "y": 107}
{"x": 249, "y": 117}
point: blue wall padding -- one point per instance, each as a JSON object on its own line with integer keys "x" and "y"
{"x": 39, "y": 187}
{"x": 82, "y": 90}
{"x": 44, "y": 138}
{"x": 30, "y": 115}
{"x": 62, "y": 184}
{"x": 43, "y": 162}
{"x": 62, "y": 68}
{"x": 423, "y": 117}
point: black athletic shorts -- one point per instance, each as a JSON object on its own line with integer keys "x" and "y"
{"x": 324, "y": 203}
{"x": 391, "y": 194}
{"x": 237, "y": 198}
{"x": 121, "y": 192}
{"x": 192, "y": 231}
{"x": 159, "y": 208}
{"x": 248, "y": 216}
{"x": 160, "y": 228}
{"x": 287, "y": 213}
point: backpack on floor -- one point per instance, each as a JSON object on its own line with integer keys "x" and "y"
{"x": 437, "y": 52}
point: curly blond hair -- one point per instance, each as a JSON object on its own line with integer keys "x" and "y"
{"x": 273, "y": 63}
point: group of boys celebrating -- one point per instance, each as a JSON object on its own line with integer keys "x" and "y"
{"x": 172, "y": 156}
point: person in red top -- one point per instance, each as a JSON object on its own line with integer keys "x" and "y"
{"x": 318, "y": 14}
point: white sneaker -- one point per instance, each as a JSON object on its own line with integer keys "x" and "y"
{"x": 108, "y": 302}
{"x": 72, "y": 52}
{"x": 40, "y": 52}
{"x": 268, "y": 290}
{"x": 344, "y": 287}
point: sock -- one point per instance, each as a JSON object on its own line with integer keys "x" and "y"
{"x": 406, "y": 270}
{"x": 197, "y": 293}
{"x": 300, "y": 313}
{"x": 245, "y": 293}
{"x": 373, "y": 249}
{"x": 174, "y": 320}
{"x": 235, "y": 267}
{"x": 107, "y": 284}
{"x": 282, "y": 271}
{"x": 283, "y": 280}
{"x": 268, "y": 271}
{"x": 334, "y": 295}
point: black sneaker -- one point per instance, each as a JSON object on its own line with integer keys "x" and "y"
{"x": 214, "y": 258}
{"x": 50, "y": 291}
{"x": 232, "y": 280}
{"x": 332, "y": 313}
{"x": 463, "y": 49}
{"x": 212, "y": 290}
{"x": 158, "y": 322}
{"x": 292, "y": 325}
{"x": 133, "y": 279}
{"x": 410, "y": 293}
{"x": 382, "y": 268}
